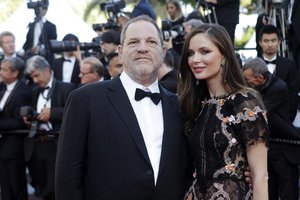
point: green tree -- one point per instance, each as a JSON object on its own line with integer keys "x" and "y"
{"x": 7, "y": 7}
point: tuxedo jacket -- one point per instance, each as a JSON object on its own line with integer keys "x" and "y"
{"x": 11, "y": 145}
{"x": 276, "y": 99}
{"x": 102, "y": 153}
{"x": 286, "y": 70}
{"x": 59, "y": 97}
{"x": 48, "y": 33}
{"x": 58, "y": 71}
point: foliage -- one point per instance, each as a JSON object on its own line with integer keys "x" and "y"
{"x": 240, "y": 43}
{"x": 7, "y": 8}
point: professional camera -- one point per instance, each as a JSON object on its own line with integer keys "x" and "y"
{"x": 106, "y": 26}
{"x": 62, "y": 46}
{"x": 35, "y": 4}
{"x": 28, "y": 112}
{"x": 113, "y": 7}
{"x": 170, "y": 31}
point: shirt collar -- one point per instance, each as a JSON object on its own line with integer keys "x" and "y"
{"x": 274, "y": 58}
{"x": 11, "y": 86}
{"x": 131, "y": 85}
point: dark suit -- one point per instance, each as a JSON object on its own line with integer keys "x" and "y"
{"x": 283, "y": 158}
{"x": 58, "y": 71}
{"x": 12, "y": 166}
{"x": 286, "y": 70}
{"x": 48, "y": 33}
{"x": 41, "y": 150}
{"x": 102, "y": 154}
{"x": 227, "y": 13}
{"x": 294, "y": 32}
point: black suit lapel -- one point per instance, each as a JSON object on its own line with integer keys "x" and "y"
{"x": 11, "y": 94}
{"x": 127, "y": 114}
{"x": 169, "y": 112}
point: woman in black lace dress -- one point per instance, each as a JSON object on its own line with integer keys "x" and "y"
{"x": 224, "y": 120}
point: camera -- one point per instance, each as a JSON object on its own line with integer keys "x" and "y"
{"x": 35, "y": 4}
{"x": 28, "y": 112}
{"x": 106, "y": 26}
{"x": 170, "y": 31}
{"x": 113, "y": 7}
{"x": 62, "y": 46}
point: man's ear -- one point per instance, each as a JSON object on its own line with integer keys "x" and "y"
{"x": 120, "y": 51}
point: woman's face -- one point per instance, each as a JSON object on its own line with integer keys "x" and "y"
{"x": 172, "y": 11}
{"x": 204, "y": 58}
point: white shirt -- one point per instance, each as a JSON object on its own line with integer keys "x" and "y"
{"x": 42, "y": 102}
{"x": 150, "y": 119}
{"x": 9, "y": 88}
{"x": 68, "y": 68}
{"x": 38, "y": 27}
{"x": 271, "y": 67}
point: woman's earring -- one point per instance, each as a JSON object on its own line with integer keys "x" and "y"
{"x": 222, "y": 63}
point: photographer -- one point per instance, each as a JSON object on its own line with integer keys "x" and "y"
{"x": 40, "y": 32}
{"x": 110, "y": 40}
{"x": 48, "y": 101}
{"x": 175, "y": 21}
{"x": 67, "y": 67}
{"x": 13, "y": 94}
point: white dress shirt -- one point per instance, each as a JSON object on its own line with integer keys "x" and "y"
{"x": 68, "y": 68}
{"x": 45, "y": 101}
{"x": 150, "y": 119}
{"x": 9, "y": 88}
{"x": 271, "y": 67}
{"x": 38, "y": 27}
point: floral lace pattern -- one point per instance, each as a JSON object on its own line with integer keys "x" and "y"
{"x": 218, "y": 142}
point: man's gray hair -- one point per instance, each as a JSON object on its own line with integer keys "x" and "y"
{"x": 36, "y": 62}
{"x": 258, "y": 66}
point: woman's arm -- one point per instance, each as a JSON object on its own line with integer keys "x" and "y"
{"x": 257, "y": 159}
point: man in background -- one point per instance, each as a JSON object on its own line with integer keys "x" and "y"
{"x": 14, "y": 94}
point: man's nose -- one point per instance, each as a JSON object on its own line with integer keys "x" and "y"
{"x": 142, "y": 46}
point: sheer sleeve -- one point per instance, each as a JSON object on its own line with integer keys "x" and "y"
{"x": 251, "y": 120}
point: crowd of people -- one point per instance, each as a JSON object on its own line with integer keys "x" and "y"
{"x": 151, "y": 114}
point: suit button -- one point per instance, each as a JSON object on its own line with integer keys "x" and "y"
{"x": 149, "y": 172}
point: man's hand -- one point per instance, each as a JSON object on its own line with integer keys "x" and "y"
{"x": 45, "y": 114}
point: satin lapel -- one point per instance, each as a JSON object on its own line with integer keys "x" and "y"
{"x": 170, "y": 111}
{"x": 11, "y": 94}
{"x": 126, "y": 112}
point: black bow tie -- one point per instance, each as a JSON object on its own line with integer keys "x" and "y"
{"x": 270, "y": 62}
{"x": 140, "y": 94}
{"x": 66, "y": 60}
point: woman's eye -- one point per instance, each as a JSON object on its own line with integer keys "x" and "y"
{"x": 190, "y": 53}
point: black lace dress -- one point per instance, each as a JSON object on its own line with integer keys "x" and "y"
{"x": 218, "y": 141}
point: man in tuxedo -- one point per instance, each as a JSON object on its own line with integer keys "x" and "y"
{"x": 13, "y": 94}
{"x": 91, "y": 70}
{"x": 39, "y": 34}
{"x": 115, "y": 144}
{"x": 48, "y": 101}
{"x": 8, "y": 45}
{"x": 283, "y": 155}
{"x": 281, "y": 67}
{"x": 67, "y": 67}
